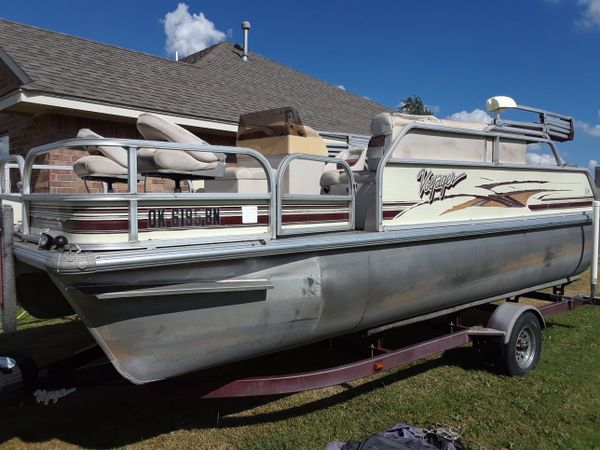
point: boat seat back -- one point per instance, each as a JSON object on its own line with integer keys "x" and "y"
{"x": 434, "y": 145}
{"x": 98, "y": 167}
{"x": 116, "y": 154}
{"x": 104, "y": 163}
{"x": 334, "y": 180}
{"x": 174, "y": 162}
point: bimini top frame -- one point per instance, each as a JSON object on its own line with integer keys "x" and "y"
{"x": 557, "y": 127}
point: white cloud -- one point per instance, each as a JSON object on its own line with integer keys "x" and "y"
{"x": 477, "y": 115}
{"x": 540, "y": 159}
{"x": 592, "y": 130}
{"x": 189, "y": 33}
{"x": 592, "y": 164}
{"x": 341, "y": 86}
{"x": 590, "y": 16}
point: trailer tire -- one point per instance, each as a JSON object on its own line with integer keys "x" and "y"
{"x": 522, "y": 352}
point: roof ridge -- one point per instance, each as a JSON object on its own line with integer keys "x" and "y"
{"x": 221, "y": 87}
{"x": 204, "y": 53}
{"x": 196, "y": 56}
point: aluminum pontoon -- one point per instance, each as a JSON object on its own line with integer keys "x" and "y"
{"x": 272, "y": 244}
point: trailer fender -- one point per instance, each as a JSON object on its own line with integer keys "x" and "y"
{"x": 505, "y": 316}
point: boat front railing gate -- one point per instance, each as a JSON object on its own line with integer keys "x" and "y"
{"x": 132, "y": 196}
{"x": 341, "y": 213}
{"x": 275, "y": 198}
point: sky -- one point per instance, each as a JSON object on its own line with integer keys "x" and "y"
{"x": 453, "y": 54}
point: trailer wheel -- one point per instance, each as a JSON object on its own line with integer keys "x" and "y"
{"x": 522, "y": 352}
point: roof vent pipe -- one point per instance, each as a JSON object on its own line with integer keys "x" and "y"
{"x": 245, "y": 27}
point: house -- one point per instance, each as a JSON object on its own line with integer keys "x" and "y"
{"x": 53, "y": 84}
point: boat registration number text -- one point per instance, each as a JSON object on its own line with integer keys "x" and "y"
{"x": 183, "y": 217}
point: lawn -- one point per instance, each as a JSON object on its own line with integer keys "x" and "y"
{"x": 556, "y": 406}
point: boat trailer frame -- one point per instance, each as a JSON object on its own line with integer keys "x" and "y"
{"x": 76, "y": 379}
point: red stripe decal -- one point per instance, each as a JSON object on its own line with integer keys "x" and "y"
{"x": 560, "y": 206}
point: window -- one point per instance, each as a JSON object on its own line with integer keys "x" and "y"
{"x": 4, "y": 145}
{"x": 522, "y": 152}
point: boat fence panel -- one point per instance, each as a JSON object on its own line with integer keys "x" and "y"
{"x": 130, "y": 215}
{"x": 525, "y": 177}
{"x": 7, "y": 196}
{"x": 299, "y": 213}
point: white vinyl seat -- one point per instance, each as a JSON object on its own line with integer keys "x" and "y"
{"x": 175, "y": 164}
{"x": 335, "y": 180}
{"x": 104, "y": 163}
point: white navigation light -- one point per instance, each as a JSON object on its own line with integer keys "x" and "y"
{"x": 499, "y": 104}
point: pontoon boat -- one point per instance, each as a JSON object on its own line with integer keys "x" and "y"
{"x": 273, "y": 244}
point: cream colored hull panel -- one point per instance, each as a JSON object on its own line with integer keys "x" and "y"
{"x": 437, "y": 193}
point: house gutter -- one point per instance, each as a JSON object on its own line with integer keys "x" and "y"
{"x": 40, "y": 99}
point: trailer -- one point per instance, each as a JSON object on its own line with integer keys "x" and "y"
{"x": 505, "y": 335}
{"x": 148, "y": 347}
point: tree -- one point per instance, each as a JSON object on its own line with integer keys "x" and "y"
{"x": 414, "y": 105}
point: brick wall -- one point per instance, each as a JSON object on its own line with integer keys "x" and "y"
{"x": 26, "y": 131}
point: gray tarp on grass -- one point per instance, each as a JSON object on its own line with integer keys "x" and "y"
{"x": 400, "y": 437}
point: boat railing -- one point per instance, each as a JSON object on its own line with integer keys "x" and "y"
{"x": 334, "y": 212}
{"x": 496, "y": 133}
{"x": 132, "y": 196}
{"x": 7, "y": 163}
{"x": 557, "y": 127}
{"x": 339, "y": 218}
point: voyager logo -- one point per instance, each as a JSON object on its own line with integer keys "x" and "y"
{"x": 437, "y": 182}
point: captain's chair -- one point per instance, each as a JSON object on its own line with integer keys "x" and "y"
{"x": 176, "y": 165}
{"x": 335, "y": 180}
{"x": 104, "y": 163}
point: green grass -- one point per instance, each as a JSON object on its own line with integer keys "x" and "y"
{"x": 556, "y": 406}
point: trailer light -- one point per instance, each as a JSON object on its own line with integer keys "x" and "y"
{"x": 7, "y": 364}
{"x": 45, "y": 241}
{"x": 378, "y": 365}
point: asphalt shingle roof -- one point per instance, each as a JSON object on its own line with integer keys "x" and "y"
{"x": 212, "y": 84}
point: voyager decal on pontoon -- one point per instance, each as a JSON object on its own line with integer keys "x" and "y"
{"x": 183, "y": 217}
{"x": 47, "y": 396}
{"x": 432, "y": 182}
{"x": 517, "y": 198}
{"x": 496, "y": 194}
